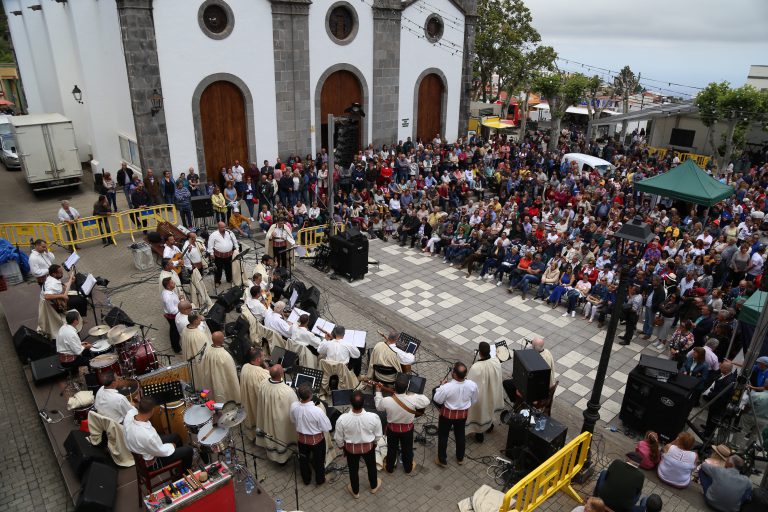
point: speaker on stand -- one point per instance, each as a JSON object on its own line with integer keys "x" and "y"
{"x": 349, "y": 257}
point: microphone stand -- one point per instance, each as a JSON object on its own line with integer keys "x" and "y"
{"x": 191, "y": 365}
{"x": 295, "y": 456}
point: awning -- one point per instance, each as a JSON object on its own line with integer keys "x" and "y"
{"x": 497, "y": 123}
{"x": 579, "y": 111}
{"x": 686, "y": 182}
{"x": 752, "y": 308}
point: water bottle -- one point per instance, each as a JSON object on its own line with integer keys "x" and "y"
{"x": 228, "y": 457}
{"x": 249, "y": 485}
{"x": 278, "y": 505}
{"x": 541, "y": 423}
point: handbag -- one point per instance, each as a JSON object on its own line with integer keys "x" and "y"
{"x": 658, "y": 321}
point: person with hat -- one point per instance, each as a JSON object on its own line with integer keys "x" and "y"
{"x": 239, "y": 223}
{"x": 725, "y": 488}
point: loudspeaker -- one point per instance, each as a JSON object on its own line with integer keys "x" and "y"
{"x": 117, "y": 316}
{"x": 216, "y": 317}
{"x": 531, "y": 375}
{"x": 230, "y": 298}
{"x": 202, "y": 206}
{"x": 47, "y": 368}
{"x": 545, "y": 443}
{"x": 81, "y": 453}
{"x": 31, "y": 345}
{"x": 349, "y": 258}
{"x": 649, "y": 404}
{"x": 311, "y": 299}
{"x": 99, "y": 490}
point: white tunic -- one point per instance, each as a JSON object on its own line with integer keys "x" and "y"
{"x": 456, "y": 395}
{"x": 39, "y": 263}
{"x": 357, "y": 428}
{"x": 68, "y": 341}
{"x": 110, "y": 403}
{"x": 337, "y": 350}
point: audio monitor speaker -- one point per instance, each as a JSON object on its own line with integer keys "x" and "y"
{"x": 531, "y": 375}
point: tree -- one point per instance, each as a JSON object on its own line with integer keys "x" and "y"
{"x": 626, "y": 84}
{"x": 504, "y": 35}
{"x": 561, "y": 92}
{"x": 595, "y": 86}
{"x": 737, "y": 108}
{"x": 526, "y": 66}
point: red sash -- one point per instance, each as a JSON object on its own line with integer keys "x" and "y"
{"x": 400, "y": 427}
{"x": 452, "y": 414}
{"x": 359, "y": 448}
{"x": 310, "y": 439}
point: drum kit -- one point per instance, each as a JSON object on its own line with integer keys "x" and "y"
{"x": 125, "y": 351}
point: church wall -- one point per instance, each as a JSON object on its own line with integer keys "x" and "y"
{"x": 325, "y": 53}
{"x": 187, "y": 56}
{"x": 25, "y": 62}
{"x": 418, "y": 55}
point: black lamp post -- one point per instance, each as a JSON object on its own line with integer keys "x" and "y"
{"x": 157, "y": 102}
{"x": 634, "y": 231}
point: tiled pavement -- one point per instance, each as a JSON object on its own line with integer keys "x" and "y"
{"x": 466, "y": 312}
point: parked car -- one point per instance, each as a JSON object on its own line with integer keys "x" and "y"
{"x": 589, "y": 162}
{"x": 8, "y": 156}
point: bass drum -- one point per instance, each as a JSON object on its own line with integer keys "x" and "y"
{"x": 174, "y": 423}
{"x": 141, "y": 357}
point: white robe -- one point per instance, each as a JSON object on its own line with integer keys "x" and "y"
{"x": 384, "y": 356}
{"x": 273, "y": 417}
{"x": 251, "y": 379}
{"x": 487, "y": 375}
{"x": 49, "y": 321}
{"x": 198, "y": 293}
{"x": 192, "y": 341}
{"x": 220, "y": 375}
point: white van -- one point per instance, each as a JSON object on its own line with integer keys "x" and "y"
{"x": 589, "y": 162}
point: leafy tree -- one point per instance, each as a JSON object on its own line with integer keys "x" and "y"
{"x": 526, "y": 65}
{"x": 561, "y": 91}
{"x": 595, "y": 87}
{"x": 504, "y": 38}
{"x": 626, "y": 84}
{"x": 737, "y": 108}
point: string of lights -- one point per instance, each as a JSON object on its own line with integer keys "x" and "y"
{"x": 611, "y": 76}
{"x": 613, "y": 71}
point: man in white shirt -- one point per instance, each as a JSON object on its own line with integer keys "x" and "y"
{"x": 109, "y": 402}
{"x": 221, "y": 245}
{"x": 237, "y": 173}
{"x": 334, "y": 349}
{"x": 71, "y": 349}
{"x": 401, "y": 409}
{"x": 170, "y": 250}
{"x": 69, "y": 215}
{"x": 142, "y": 439}
{"x": 170, "y": 310}
{"x": 193, "y": 252}
{"x": 357, "y": 432}
{"x": 39, "y": 260}
{"x": 274, "y": 320}
{"x": 387, "y": 354}
{"x": 302, "y": 335}
{"x": 311, "y": 424}
{"x": 182, "y": 317}
{"x": 254, "y": 303}
{"x": 457, "y": 396}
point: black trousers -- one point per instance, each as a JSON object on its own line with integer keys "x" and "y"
{"x": 444, "y": 426}
{"x": 353, "y": 463}
{"x": 631, "y": 317}
{"x": 174, "y": 333}
{"x": 399, "y": 441}
{"x": 223, "y": 265}
{"x": 106, "y": 230}
{"x": 312, "y": 457}
{"x": 182, "y": 453}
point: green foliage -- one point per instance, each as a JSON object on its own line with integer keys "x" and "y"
{"x": 561, "y": 91}
{"x": 6, "y": 55}
{"x": 743, "y": 105}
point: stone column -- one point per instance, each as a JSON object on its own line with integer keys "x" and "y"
{"x": 470, "y": 19}
{"x": 385, "y": 100}
{"x": 140, "y": 49}
{"x": 290, "y": 31}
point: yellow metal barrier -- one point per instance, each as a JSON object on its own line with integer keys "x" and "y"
{"x": 22, "y": 233}
{"x": 87, "y": 229}
{"x": 144, "y": 219}
{"x": 701, "y": 160}
{"x": 311, "y": 237}
{"x": 553, "y": 475}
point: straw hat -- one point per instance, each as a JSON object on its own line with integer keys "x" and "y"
{"x": 721, "y": 451}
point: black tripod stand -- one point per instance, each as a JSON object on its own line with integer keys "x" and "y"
{"x": 294, "y": 455}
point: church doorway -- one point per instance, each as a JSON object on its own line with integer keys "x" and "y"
{"x": 430, "y": 108}
{"x": 223, "y": 123}
{"x": 340, "y": 90}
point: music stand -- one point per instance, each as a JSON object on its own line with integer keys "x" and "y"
{"x": 341, "y": 397}
{"x": 408, "y": 343}
{"x": 311, "y": 376}
{"x": 163, "y": 393}
{"x": 416, "y": 384}
{"x": 286, "y": 358}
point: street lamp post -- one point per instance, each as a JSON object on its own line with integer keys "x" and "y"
{"x": 634, "y": 231}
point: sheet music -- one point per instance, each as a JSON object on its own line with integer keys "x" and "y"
{"x": 71, "y": 261}
{"x": 323, "y": 324}
{"x": 356, "y": 338}
{"x": 88, "y": 285}
{"x": 294, "y": 297}
{"x": 295, "y": 314}
{"x": 493, "y": 349}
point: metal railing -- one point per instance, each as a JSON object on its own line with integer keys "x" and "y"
{"x": 311, "y": 237}
{"x": 23, "y": 233}
{"x": 553, "y": 475}
{"x": 701, "y": 160}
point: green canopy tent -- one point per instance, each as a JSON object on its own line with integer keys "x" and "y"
{"x": 752, "y": 308}
{"x": 687, "y": 182}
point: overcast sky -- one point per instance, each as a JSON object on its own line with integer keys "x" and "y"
{"x": 690, "y": 42}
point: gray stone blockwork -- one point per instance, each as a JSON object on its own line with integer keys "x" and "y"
{"x": 386, "y": 70}
{"x": 470, "y": 19}
{"x": 140, "y": 49}
{"x": 290, "y": 30}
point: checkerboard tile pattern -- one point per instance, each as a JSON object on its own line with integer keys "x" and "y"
{"x": 466, "y": 311}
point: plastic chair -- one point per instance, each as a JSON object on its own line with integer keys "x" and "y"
{"x": 145, "y": 475}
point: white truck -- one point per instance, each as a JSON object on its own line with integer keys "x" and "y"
{"x": 47, "y": 150}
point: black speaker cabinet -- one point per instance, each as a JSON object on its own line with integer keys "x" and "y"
{"x": 531, "y": 375}
{"x": 46, "y": 368}
{"x": 649, "y": 404}
{"x": 349, "y": 258}
{"x": 311, "y": 298}
{"x": 545, "y": 443}
{"x": 230, "y": 298}
{"x": 117, "y": 316}
{"x": 31, "y": 345}
{"x": 202, "y": 206}
{"x": 99, "y": 490}
{"x": 81, "y": 453}
{"x": 216, "y": 317}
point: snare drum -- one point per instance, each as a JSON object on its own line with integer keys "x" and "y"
{"x": 195, "y": 417}
{"x": 101, "y": 346}
{"x": 130, "y": 389}
{"x": 175, "y": 417}
{"x": 213, "y": 439}
{"x": 103, "y": 364}
{"x": 81, "y": 414}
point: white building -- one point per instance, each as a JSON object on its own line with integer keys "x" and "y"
{"x": 758, "y": 77}
{"x": 246, "y": 80}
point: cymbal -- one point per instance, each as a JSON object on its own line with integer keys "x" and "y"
{"x": 98, "y": 330}
{"x": 231, "y": 415}
{"x": 126, "y": 334}
{"x": 116, "y": 331}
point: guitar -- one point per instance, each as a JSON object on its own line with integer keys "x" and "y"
{"x": 416, "y": 412}
{"x": 178, "y": 257}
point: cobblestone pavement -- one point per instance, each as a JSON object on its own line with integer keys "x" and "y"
{"x": 30, "y": 465}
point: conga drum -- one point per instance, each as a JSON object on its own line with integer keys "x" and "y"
{"x": 174, "y": 422}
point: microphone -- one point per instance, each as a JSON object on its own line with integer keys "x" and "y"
{"x": 260, "y": 433}
{"x": 200, "y": 355}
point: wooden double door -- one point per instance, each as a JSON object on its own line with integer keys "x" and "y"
{"x": 340, "y": 90}
{"x": 430, "y": 108}
{"x": 224, "y": 127}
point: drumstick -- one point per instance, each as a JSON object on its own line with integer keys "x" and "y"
{"x": 208, "y": 434}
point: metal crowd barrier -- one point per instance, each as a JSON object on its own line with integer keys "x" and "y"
{"x": 145, "y": 219}
{"x": 701, "y": 160}
{"x": 553, "y": 475}
{"x": 22, "y": 233}
{"x": 88, "y": 229}
{"x": 311, "y": 237}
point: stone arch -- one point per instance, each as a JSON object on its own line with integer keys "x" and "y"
{"x": 196, "y": 122}
{"x": 318, "y": 93}
{"x": 443, "y": 100}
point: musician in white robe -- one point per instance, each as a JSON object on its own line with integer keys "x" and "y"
{"x": 252, "y": 377}
{"x": 198, "y": 293}
{"x": 194, "y": 336}
{"x": 168, "y": 271}
{"x": 279, "y": 242}
{"x": 219, "y": 371}
{"x": 265, "y": 268}
{"x": 386, "y": 353}
{"x": 273, "y": 416}
{"x": 308, "y": 341}
{"x": 486, "y": 373}
{"x": 274, "y": 320}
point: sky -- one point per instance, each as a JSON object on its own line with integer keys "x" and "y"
{"x": 690, "y": 42}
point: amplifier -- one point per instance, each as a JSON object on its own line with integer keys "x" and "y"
{"x": 117, "y": 316}
{"x": 99, "y": 490}
{"x": 216, "y": 317}
{"x": 46, "y": 369}
{"x": 657, "y": 367}
{"x": 230, "y": 298}
{"x": 349, "y": 257}
{"x": 545, "y": 443}
{"x": 531, "y": 375}
{"x": 81, "y": 453}
{"x": 202, "y": 206}
{"x": 31, "y": 345}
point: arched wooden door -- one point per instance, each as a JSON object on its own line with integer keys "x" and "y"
{"x": 223, "y": 122}
{"x": 340, "y": 90}
{"x": 430, "y": 112}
